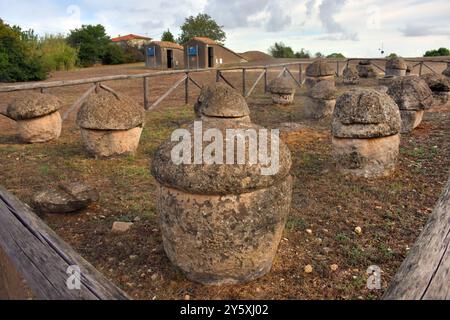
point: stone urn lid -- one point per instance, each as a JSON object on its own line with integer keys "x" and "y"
{"x": 217, "y": 177}
{"x": 350, "y": 72}
{"x": 106, "y": 111}
{"x": 365, "y": 113}
{"x": 32, "y": 105}
{"x": 323, "y": 90}
{"x": 437, "y": 82}
{"x": 319, "y": 68}
{"x": 281, "y": 85}
{"x": 396, "y": 63}
{"x": 222, "y": 101}
{"x": 411, "y": 93}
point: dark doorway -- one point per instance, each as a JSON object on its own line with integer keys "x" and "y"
{"x": 210, "y": 57}
{"x": 169, "y": 59}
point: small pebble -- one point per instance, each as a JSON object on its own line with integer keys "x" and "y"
{"x": 308, "y": 268}
{"x": 308, "y": 231}
{"x": 358, "y": 230}
{"x": 187, "y": 297}
{"x": 154, "y": 276}
{"x": 334, "y": 267}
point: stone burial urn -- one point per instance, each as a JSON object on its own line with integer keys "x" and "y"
{"x": 365, "y": 133}
{"x": 321, "y": 99}
{"x": 37, "y": 117}
{"x": 439, "y": 86}
{"x": 350, "y": 75}
{"x": 110, "y": 124}
{"x": 413, "y": 97}
{"x": 396, "y": 67}
{"x": 318, "y": 71}
{"x": 221, "y": 223}
{"x": 365, "y": 69}
{"x": 282, "y": 91}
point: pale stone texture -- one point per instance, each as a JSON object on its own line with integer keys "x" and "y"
{"x": 221, "y": 223}
{"x": 386, "y": 80}
{"x": 282, "y": 91}
{"x": 40, "y": 129}
{"x": 350, "y": 75}
{"x": 396, "y": 67}
{"x": 440, "y": 86}
{"x": 321, "y": 100}
{"x": 318, "y": 71}
{"x": 120, "y": 226}
{"x": 410, "y": 119}
{"x": 366, "y": 70}
{"x": 446, "y": 72}
{"x": 108, "y": 143}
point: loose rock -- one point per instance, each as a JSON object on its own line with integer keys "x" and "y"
{"x": 120, "y": 226}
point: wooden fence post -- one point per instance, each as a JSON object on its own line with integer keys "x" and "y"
{"x": 186, "y": 89}
{"x": 243, "y": 82}
{"x": 146, "y": 94}
{"x": 300, "y": 73}
{"x": 265, "y": 80}
{"x": 420, "y": 68}
{"x": 217, "y": 75}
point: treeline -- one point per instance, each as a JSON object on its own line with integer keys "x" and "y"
{"x": 24, "y": 56}
{"x": 280, "y": 50}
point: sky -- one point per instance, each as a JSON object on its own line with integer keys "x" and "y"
{"x": 355, "y": 28}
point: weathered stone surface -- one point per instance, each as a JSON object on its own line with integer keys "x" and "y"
{"x": 446, "y": 72}
{"x": 324, "y": 90}
{"x": 32, "y": 105}
{"x": 365, "y": 113}
{"x": 220, "y": 100}
{"x": 105, "y": 111}
{"x": 120, "y": 226}
{"x": 386, "y": 80}
{"x": 217, "y": 178}
{"x": 109, "y": 143}
{"x": 283, "y": 98}
{"x": 411, "y": 93}
{"x": 318, "y": 108}
{"x": 68, "y": 197}
{"x": 350, "y": 75}
{"x": 368, "y": 158}
{"x": 437, "y": 82}
{"x": 319, "y": 68}
{"x": 310, "y": 82}
{"x": 366, "y": 71}
{"x": 396, "y": 63}
{"x": 441, "y": 98}
{"x": 40, "y": 129}
{"x": 365, "y": 62}
{"x": 410, "y": 119}
{"x": 281, "y": 85}
{"x": 395, "y": 72}
{"x": 226, "y": 239}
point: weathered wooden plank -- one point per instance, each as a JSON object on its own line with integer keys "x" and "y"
{"x": 256, "y": 82}
{"x": 168, "y": 92}
{"x": 195, "y": 83}
{"x": 226, "y": 81}
{"x": 425, "y": 273}
{"x": 293, "y": 78}
{"x": 42, "y": 258}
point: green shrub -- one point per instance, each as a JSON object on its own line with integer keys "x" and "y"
{"x": 57, "y": 54}
{"x": 134, "y": 54}
{"x": 114, "y": 54}
{"x": 437, "y": 53}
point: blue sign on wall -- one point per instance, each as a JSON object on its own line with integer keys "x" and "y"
{"x": 192, "y": 51}
{"x": 151, "y": 51}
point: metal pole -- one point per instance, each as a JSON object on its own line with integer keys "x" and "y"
{"x": 146, "y": 93}
{"x": 186, "y": 89}
{"x": 243, "y": 82}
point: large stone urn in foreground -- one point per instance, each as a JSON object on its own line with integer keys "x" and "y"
{"x": 110, "y": 124}
{"x": 365, "y": 133}
{"x": 220, "y": 223}
{"x": 413, "y": 97}
{"x": 282, "y": 91}
{"x": 37, "y": 117}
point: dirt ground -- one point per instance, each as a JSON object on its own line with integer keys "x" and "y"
{"x": 391, "y": 211}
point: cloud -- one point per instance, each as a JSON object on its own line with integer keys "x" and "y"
{"x": 328, "y": 9}
{"x": 420, "y": 30}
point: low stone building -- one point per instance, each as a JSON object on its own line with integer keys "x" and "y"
{"x": 320, "y": 100}
{"x": 413, "y": 97}
{"x": 365, "y": 133}
{"x": 36, "y": 116}
{"x": 221, "y": 223}
{"x": 366, "y": 70}
{"x": 282, "y": 91}
{"x": 318, "y": 71}
{"x": 395, "y": 67}
{"x": 111, "y": 125}
{"x": 446, "y": 72}
{"x": 350, "y": 75}
{"x": 164, "y": 55}
{"x": 440, "y": 86}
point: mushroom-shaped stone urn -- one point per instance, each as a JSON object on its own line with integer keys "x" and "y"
{"x": 385, "y": 81}
{"x": 440, "y": 86}
{"x": 350, "y": 75}
{"x": 365, "y": 133}
{"x": 318, "y": 71}
{"x": 321, "y": 100}
{"x": 36, "y": 116}
{"x": 395, "y": 67}
{"x": 413, "y": 97}
{"x": 446, "y": 72}
{"x": 282, "y": 91}
{"x": 222, "y": 220}
{"x": 110, "y": 124}
{"x": 365, "y": 69}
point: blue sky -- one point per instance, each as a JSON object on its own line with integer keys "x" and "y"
{"x": 356, "y": 28}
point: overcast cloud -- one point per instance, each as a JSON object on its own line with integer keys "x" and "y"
{"x": 353, "y": 27}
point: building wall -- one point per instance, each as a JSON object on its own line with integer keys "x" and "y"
{"x": 159, "y": 61}
{"x": 221, "y": 56}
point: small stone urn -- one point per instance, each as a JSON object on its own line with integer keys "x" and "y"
{"x": 446, "y": 72}
{"x": 221, "y": 222}
{"x": 365, "y": 133}
{"x": 385, "y": 81}
{"x": 413, "y": 97}
{"x": 321, "y": 99}
{"x": 396, "y": 67}
{"x": 318, "y": 71}
{"x": 36, "y": 116}
{"x": 350, "y": 75}
{"x": 439, "y": 86}
{"x": 282, "y": 91}
{"x": 110, "y": 124}
{"x": 365, "y": 69}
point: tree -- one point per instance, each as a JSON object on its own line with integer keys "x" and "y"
{"x": 336, "y": 55}
{"x": 319, "y": 55}
{"x": 302, "y": 54}
{"x": 437, "y": 53}
{"x": 201, "y": 26}
{"x": 57, "y": 54}
{"x": 91, "y": 42}
{"x": 280, "y": 50}
{"x": 167, "y": 36}
{"x": 392, "y": 56}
